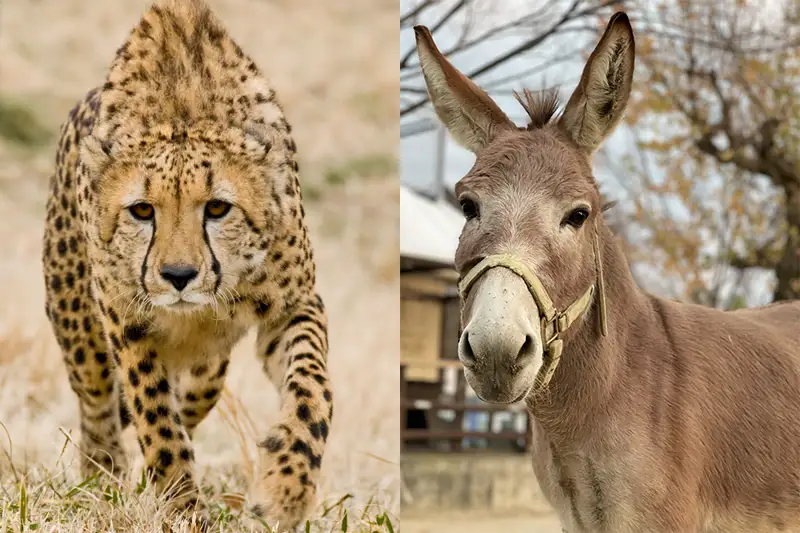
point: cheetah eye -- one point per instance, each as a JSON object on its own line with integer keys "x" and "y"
{"x": 142, "y": 211}
{"x": 217, "y": 209}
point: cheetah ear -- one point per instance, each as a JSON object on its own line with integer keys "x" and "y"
{"x": 107, "y": 225}
{"x": 96, "y": 155}
{"x": 258, "y": 141}
{"x": 265, "y": 114}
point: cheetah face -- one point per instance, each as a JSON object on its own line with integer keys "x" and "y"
{"x": 186, "y": 228}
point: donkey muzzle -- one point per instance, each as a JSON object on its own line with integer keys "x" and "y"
{"x": 513, "y": 322}
{"x": 501, "y": 345}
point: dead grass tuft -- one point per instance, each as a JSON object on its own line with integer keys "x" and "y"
{"x": 36, "y": 498}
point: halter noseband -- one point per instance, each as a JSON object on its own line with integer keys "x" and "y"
{"x": 552, "y": 322}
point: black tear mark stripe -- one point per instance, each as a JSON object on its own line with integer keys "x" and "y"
{"x": 215, "y": 266}
{"x": 147, "y": 254}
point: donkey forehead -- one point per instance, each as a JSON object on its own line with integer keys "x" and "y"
{"x": 543, "y": 163}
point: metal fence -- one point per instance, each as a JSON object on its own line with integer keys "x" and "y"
{"x": 437, "y": 420}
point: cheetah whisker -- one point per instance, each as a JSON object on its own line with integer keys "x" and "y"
{"x": 226, "y": 304}
{"x": 233, "y": 294}
{"x": 128, "y": 307}
{"x": 144, "y": 307}
{"x": 215, "y": 307}
{"x": 144, "y": 304}
{"x": 235, "y": 281}
{"x": 120, "y": 295}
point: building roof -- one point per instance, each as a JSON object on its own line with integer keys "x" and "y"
{"x": 429, "y": 229}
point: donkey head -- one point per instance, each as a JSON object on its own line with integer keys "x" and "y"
{"x": 527, "y": 253}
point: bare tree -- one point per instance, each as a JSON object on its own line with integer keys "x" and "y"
{"x": 717, "y": 114}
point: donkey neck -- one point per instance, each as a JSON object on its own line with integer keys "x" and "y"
{"x": 592, "y": 364}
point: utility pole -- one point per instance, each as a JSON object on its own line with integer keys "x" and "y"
{"x": 441, "y": 148}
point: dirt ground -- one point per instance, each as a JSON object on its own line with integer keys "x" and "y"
{"x": 334, "y": 65}
{"x": 481, "y": 524}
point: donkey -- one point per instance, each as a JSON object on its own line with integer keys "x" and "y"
{"x": 650, "y": 416}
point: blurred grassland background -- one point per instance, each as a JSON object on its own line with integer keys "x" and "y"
{"x": 332, "y": 64}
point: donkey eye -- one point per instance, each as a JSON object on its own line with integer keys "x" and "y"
{"x": 217, "y": 209}
{"x": 469, "y": 208}
{"x": 577, "y": 217}
{"x": 142, "y": 211}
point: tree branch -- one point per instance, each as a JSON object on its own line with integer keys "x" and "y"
{"x": 438, "y": 24}
{"x": 765, "y": 256}
{"x": 572, "y": 13}
{"x": 409, "y": 17}
{"x": 765, "y": 160}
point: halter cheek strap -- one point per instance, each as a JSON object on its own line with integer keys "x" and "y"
{"x": 553, "y": 323}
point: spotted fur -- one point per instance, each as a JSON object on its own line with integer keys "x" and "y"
{"x": 146, "y": 311}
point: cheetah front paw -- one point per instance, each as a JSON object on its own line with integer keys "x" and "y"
{"x": 283, "y": 492}
{"x": 282, "y": 501}
{"x": 191, "y": 512}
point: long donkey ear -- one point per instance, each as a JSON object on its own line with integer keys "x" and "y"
{"x": 599, "y": 101}
{"x": 466, "y": 110}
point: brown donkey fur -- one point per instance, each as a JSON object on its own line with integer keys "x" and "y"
{"x": 682, "y": 418}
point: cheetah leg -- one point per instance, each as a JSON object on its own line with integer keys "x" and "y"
{"x": 290, "y": 457}
{"x": 167, "y": 451}
{"x": 199, "y": 390}
{"x": 100, "y": 443}
{"x": 91, "y": 376}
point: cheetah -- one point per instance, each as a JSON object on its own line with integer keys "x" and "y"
{"x": 174, "y": 224}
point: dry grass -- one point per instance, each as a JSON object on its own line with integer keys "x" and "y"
{"x": 335, "y": 69}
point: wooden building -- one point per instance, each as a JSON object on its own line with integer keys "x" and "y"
{"x": 440, "y": 410}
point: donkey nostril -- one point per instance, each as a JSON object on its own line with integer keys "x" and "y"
{"x": 466, "y": 354}
{"x": 528, "y": 349}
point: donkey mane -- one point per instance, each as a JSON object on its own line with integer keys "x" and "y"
{"x": 541, "y": 106}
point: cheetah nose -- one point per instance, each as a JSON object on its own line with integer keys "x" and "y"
{"x": 178, "y": 275}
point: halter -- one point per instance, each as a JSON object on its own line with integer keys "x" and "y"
{"x": 553, "y": 323}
